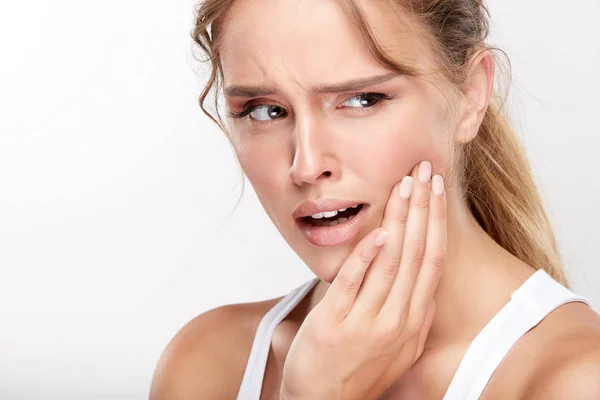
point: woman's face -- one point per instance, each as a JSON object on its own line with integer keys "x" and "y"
{"x": 317, "y": 135}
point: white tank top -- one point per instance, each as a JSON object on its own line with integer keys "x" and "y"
{"x": 528, "y": 305}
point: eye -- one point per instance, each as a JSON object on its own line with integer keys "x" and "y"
{"x": 366, "y": 100}
{"x": 261, "y": 112}
{"x": 266, "y": 112}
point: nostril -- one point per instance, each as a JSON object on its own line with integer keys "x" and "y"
{"x": 327, "y": 173}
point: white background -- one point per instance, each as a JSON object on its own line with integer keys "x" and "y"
{"x": 115, "y": 189}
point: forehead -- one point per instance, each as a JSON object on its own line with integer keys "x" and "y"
{"x": 310, "y": 42}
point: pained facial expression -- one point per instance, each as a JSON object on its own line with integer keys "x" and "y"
{"x": 307, "y": 140}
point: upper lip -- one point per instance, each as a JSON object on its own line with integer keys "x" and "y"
{"x": 314, "y": 207}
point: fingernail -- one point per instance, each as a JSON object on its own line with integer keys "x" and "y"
{"x": 406, "y": 187}
{"x": 438, "y": 185}
{"x": 424, "y": 171}
{"x": 381, "y": 238}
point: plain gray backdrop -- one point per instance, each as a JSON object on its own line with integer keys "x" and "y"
{"x": 115, "y": 189}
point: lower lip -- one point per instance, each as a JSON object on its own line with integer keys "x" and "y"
{"x": 337, "y": 235}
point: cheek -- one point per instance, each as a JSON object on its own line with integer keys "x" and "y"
{"x": 396, "y": 145}
{"x": 258, "y": 158}
{"x": 267, "y": 170}
{"x": 392, "y": 158}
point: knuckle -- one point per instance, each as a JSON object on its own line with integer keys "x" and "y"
{"x": 401, "y": 216}
{"x": 398, "y": 322}
{"x": 440, "y": 213}
{"x": 364, "y": 256}
{"x": 417, "y": 257}
{"x": 439, "y": 258}
{"x": 412, "y": 329}
{"x": 416, "y": 243}
{"x": 411, "y": 325}
{"x": 417, "y": 250}
{"x": 391, "y": 328}
{"x": 349, "y": 285}
{"x": 421, "y": 201}
{"x": 387, "y": 332}
{"x": 391, "y": 265}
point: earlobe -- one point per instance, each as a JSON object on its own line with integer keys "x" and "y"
{"x": 476, "y": 92}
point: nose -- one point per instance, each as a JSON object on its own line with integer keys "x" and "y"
{"x": 314, "y": 153}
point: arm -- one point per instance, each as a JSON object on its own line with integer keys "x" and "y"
{"x": 576, "y": 378}
{"x": 196, "y": 363}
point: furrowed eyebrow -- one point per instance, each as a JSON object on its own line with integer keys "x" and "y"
{"x": 248, "y": 91}
{"x": 349, "y": 86}
{"x": 355, "y": 84}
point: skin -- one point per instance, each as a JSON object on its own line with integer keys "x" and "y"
{"x": 372, "y": 323}
{"x": 325, "y": 147}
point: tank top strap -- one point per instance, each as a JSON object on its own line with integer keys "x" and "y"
{"x": 537, "y": 297}
{"x": 255, "y": 368}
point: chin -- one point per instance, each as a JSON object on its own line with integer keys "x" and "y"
{"x": 327, "y": 265}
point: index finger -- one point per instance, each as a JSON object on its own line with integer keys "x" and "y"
{"x": 340, "y": 297}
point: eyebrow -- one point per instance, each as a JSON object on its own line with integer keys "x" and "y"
{"x": 348, "y": 86}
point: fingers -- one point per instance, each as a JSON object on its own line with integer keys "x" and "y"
{"x": 414, "y": 247}
{"x": 380, "y": 276}
{"x": 340, "y": 297}
{"x": 435, "y": 254}
{"x": 424, "y": 332}
{"x": 399, "y": 279}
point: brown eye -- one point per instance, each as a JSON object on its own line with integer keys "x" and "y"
{"x": 266, "y": 112}
{"x": 365, "y": 100}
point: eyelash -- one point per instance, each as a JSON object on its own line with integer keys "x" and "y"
{"x": 379, "y": 97}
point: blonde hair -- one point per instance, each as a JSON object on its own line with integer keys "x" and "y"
{"x": 493, "y": 170}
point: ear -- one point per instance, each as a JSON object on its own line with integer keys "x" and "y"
{"x": 477, "y": 91}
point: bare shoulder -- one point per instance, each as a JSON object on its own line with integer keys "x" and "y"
{"x": 207, "y": 357}
{"x": 568, "y": 363}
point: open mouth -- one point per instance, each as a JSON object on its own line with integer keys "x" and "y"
{"x": 334, "y": 228}
{"x": 334, "y": 217}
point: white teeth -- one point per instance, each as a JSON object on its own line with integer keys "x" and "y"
{"x": 334, "y": 222}
{"x": 329, "y": 214}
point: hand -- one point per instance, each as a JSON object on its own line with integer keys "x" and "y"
{"x": 371, "y": 325}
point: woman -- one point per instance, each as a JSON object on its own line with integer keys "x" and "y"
{"x": 373, "y": 139}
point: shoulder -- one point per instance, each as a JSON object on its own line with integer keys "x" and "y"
{"x": 207, "y": 357}
{"x": 569, "y": 363}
